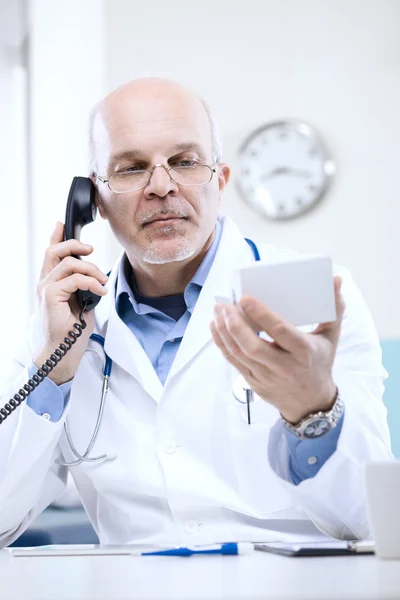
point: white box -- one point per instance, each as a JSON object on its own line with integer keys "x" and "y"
{"x": 300, "y": 290}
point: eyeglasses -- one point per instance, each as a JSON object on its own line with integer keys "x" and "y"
{"x": 132, "y": 181}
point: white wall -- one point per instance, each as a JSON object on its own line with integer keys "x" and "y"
{"x": 14, "y": 238}
{"x": 66, "y": 63}
{"x": 333, "y": 64}
{"x": 45, "y": 97}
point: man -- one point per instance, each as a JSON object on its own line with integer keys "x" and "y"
{"x": 182, "y": 464}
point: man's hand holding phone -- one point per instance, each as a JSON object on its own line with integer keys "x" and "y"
{"x": 61, "y": 276}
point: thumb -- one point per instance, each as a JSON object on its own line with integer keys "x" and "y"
{"x": 332, "y": 329}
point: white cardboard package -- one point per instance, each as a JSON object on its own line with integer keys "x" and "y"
{"x": 300, "y": 290}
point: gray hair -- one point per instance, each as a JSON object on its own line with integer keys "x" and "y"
{"x": 215, "y": 136}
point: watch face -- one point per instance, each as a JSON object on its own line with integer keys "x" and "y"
{"x": 284, "y": 169}
{"x": 317, "y": 428}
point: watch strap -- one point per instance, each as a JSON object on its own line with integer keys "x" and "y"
{"x": 332, "y": 416}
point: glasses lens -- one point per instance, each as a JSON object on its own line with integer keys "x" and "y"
{"x": 194, "y": 175}
{"x": 128, "y": 182}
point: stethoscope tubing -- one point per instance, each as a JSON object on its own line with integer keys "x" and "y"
{"x": 106, "y": 376}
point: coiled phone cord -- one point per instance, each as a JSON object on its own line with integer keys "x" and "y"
{"x": 45, "y": 369}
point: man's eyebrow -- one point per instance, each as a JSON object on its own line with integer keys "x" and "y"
{"x": 125, "y": 155}
{"x": 134, "y": 154}
{"x": 187, "y": 146}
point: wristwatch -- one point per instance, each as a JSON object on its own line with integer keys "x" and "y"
{"x": 317, "y": 424}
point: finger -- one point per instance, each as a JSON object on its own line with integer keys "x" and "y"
{"x": 56, "y": 252}
{"x": 245, "y": 371}
{"x": 69, "y": 266}
{"x": 57, "y": 234}
{"x": 240, "y": 340}
{"x": 332, "y": 329}
{"x": 286, "y": 335}
{"x": 63, "y": 290}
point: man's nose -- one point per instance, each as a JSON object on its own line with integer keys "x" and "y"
{"x": 160, "y": 183}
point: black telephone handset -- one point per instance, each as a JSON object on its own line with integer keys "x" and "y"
{"x": 81, "y": 210}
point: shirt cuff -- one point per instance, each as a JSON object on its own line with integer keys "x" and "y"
{"x": 307, "y": 457}
{"x": 48, "y": 400}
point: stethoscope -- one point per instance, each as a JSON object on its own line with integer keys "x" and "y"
{"x": 241, "y": 390}
{"x": 238, "y": 388}
{"x": 85, "y": 456}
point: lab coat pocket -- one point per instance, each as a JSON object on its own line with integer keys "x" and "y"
{"x": 259, "y": 486}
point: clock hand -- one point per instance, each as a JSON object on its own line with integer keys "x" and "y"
{"x": 283, "y": 170}
{"x": 277, "y": 171}
{"x": 300, "y": 172}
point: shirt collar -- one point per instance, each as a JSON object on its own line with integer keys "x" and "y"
{"x": 201, "y": 274}
{"x": 122, "y": 286}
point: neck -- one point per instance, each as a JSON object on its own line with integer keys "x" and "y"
{"x": 167, "y": 279}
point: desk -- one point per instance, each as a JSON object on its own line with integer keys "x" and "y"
{"x": 256, "y": 576}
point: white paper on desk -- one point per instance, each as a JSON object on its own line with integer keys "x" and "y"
{"x": 292, "y": 531}
{"x": 81, "y": 550}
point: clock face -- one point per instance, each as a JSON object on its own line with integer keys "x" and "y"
{"x": 284, "y": 169}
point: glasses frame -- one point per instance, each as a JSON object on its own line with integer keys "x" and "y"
{"x": 151, "y": 171}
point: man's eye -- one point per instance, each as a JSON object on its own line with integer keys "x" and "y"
{"x": 131, "y": 169}
{"x": 185, "y": 162}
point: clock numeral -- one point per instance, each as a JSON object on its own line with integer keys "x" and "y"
{"x": 283, "y": 135}
{"x": 245, "y": 172}
{"x": 313, "y": 152}
{"x": 299, "y": 201}
{"x": 312, "y": 187}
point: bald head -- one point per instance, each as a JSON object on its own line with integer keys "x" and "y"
{"x": 150, "y": 105}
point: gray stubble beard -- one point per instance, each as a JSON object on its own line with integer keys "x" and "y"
{"x": 156, "y": 256}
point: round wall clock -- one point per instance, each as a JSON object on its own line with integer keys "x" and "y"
{"x": 284, "y": 169}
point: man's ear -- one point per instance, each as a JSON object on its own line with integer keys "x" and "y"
{"x": 97, "y": 197}
{"x": 224, "y": 174}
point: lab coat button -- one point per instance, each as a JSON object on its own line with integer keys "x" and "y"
{"x": 312, "y": 460}
{"x": 46, "y": 416}
{"x": 169, "y": 447}
{"x": 191, "y": 526}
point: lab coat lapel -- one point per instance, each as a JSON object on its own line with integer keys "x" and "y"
{"x": 233, "y": 252}
{"x": 121, "y": 344}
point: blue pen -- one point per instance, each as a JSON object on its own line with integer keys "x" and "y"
{"x": 224, "y": 549}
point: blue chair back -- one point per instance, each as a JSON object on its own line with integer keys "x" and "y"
{"x": 391, "y": 362}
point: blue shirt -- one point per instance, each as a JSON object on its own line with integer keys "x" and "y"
{"x": 159, "y": 324}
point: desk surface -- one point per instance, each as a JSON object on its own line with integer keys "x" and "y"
{"x": 256, "y": 576}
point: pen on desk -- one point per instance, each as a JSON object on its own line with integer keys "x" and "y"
{"x": 222, "y": 549}
{"x": 127, "y": 550}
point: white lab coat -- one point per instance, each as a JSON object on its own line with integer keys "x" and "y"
{"x": 188, "y": 467}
